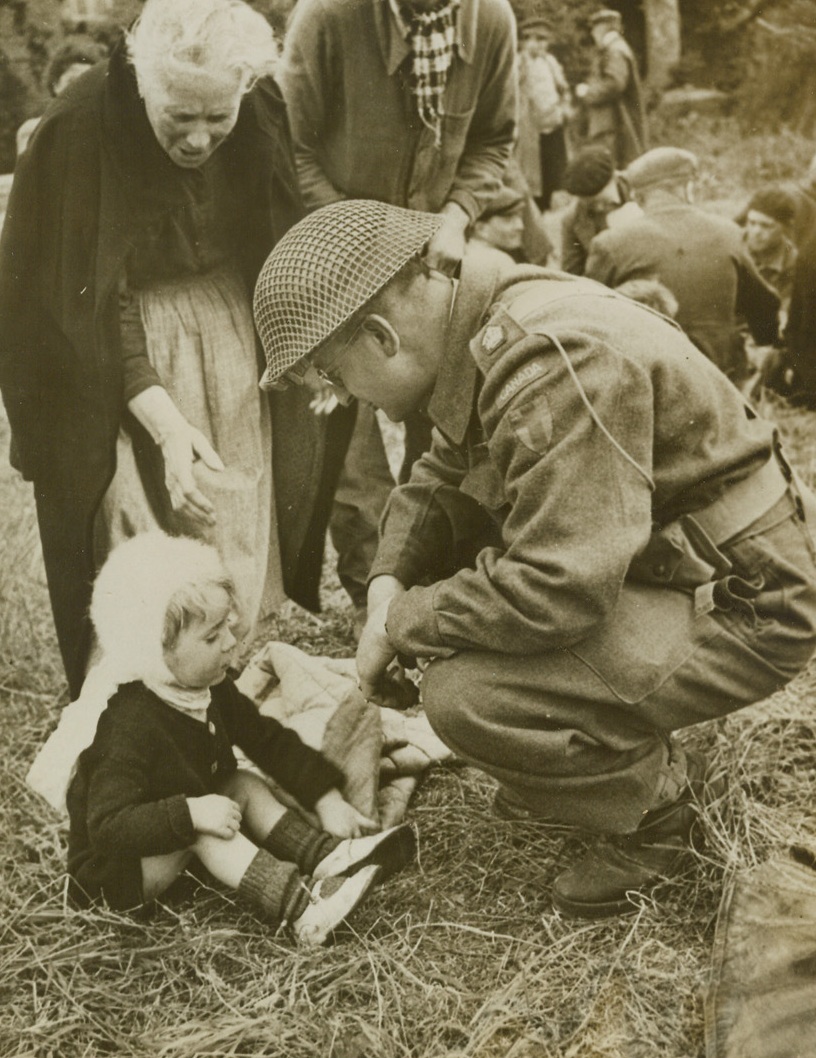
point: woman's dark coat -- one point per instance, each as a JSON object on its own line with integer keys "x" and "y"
{"x": 92, "y": 178}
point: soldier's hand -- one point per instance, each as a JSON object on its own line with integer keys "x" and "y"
{"x": 374, "y": 654}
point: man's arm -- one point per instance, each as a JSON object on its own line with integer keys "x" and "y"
{"x": 614, "y": 71}
{"x": 757, "y": 302}
{"x": 305, "y": 79}
{"x": 492, "y": 131}
{"x": 421, "y": 519}
{"x": 579, "y": 514}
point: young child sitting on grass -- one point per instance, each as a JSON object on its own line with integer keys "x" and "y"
{"x": 160, "y": 783}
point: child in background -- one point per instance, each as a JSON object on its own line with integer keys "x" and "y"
{"x": 160, "y": 783}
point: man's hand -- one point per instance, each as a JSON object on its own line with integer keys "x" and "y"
{"x": 215, "y": 814}
{"x": 181, "y": 445}
{"x": 340, "y": 818}
{"x": 447, "y": 247}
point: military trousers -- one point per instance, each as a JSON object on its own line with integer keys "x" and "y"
{"x": 581, "y": 735}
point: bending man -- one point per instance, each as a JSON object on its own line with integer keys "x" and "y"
{"x": 603, "y": 544}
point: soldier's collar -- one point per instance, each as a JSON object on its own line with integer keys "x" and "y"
{"x": 451, "y": 402}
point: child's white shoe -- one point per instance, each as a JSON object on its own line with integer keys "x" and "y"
{"x": 391, "y": 849}
{"x": 332, "y": 899}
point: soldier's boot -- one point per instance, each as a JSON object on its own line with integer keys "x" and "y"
{"x": 617, "y": 868}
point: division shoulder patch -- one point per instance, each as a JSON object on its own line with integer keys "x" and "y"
{"x": 492, "y": 337}
{"x": 531, "y": 371}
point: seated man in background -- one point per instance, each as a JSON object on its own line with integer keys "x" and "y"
{"x": 699, "y": 256}
{"x": 512, "y": 223}
{"x": 600, "y": 195}
{"x": 769, "y": 218}
{"x": 602, "y": 545}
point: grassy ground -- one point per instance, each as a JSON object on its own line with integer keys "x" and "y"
{"x": 460, "y": 955}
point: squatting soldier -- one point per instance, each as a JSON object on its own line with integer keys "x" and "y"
{"x": 603, "y": 545}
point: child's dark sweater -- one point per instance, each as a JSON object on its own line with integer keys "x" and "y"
{"x": 128, "y": 797}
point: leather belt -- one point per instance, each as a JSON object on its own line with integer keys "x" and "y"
{"x": 743, "y": 502}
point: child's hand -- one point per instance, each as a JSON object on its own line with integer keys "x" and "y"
{"x": 340, "y": 818}
{"x": 216, "y": 815}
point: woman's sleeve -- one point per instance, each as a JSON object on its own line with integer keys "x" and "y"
{"x": 138, "y": 373}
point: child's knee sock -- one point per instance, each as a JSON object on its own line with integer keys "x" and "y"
{"x": 293, "y": 838}
{"x": 273, "y": 889}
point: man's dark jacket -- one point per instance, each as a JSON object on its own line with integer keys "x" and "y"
{"x": 93, "y": 177}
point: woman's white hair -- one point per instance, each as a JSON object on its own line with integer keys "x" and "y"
{"x": 176, "y": 38}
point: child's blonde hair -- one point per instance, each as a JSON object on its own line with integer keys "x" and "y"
{"x": 151, "y": 587}
{"x": 189, "y": 604}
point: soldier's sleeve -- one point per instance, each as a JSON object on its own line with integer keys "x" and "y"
{"x": 423, "y": 518}
{"x": 492, "y": 131}
{"x": 579, "y": 511}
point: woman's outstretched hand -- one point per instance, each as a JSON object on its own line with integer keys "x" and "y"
{"x": 181, "y": 446}
{"x": 180, "y": 450}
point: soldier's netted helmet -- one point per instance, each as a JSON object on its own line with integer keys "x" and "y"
{"x": 328, "y": 267}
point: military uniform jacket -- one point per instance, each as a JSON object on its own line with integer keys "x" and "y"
{"x": 552, "y": 500}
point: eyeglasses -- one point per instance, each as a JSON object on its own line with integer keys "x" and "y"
{"x": 328, "y": 370}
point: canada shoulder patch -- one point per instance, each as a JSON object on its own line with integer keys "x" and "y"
{"x": 530, "y": 372}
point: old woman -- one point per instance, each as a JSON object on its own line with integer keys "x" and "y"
{"x": 140, "y": 215}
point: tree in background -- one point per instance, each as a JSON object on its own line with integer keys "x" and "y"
{"x": 763, "y": 51}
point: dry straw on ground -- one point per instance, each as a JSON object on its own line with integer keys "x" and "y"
{"x": 460, "y": 955}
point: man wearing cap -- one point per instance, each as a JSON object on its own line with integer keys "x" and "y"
{"x": 411, "y": 102}
{"x": 599, "y": 195}
{"x": 511, "y": 222}
{"x": 603, "y": 544}
{"x": 700, "y": 257}
{"x": 769, "y": 218}
{"x": 544, "y": 98}
{"x": 612, "y": 97}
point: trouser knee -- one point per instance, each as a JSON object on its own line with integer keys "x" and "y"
{"x": 446, "y": 690}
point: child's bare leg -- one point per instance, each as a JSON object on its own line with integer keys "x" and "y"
{"x": 227, "y": 860}
{"x": 290, "y": 836}
{"x": 271, "y": 887}
{"x": 159, "y": 872}
{"x": 260, "y": 809}
{"x": 282, "y": 831}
